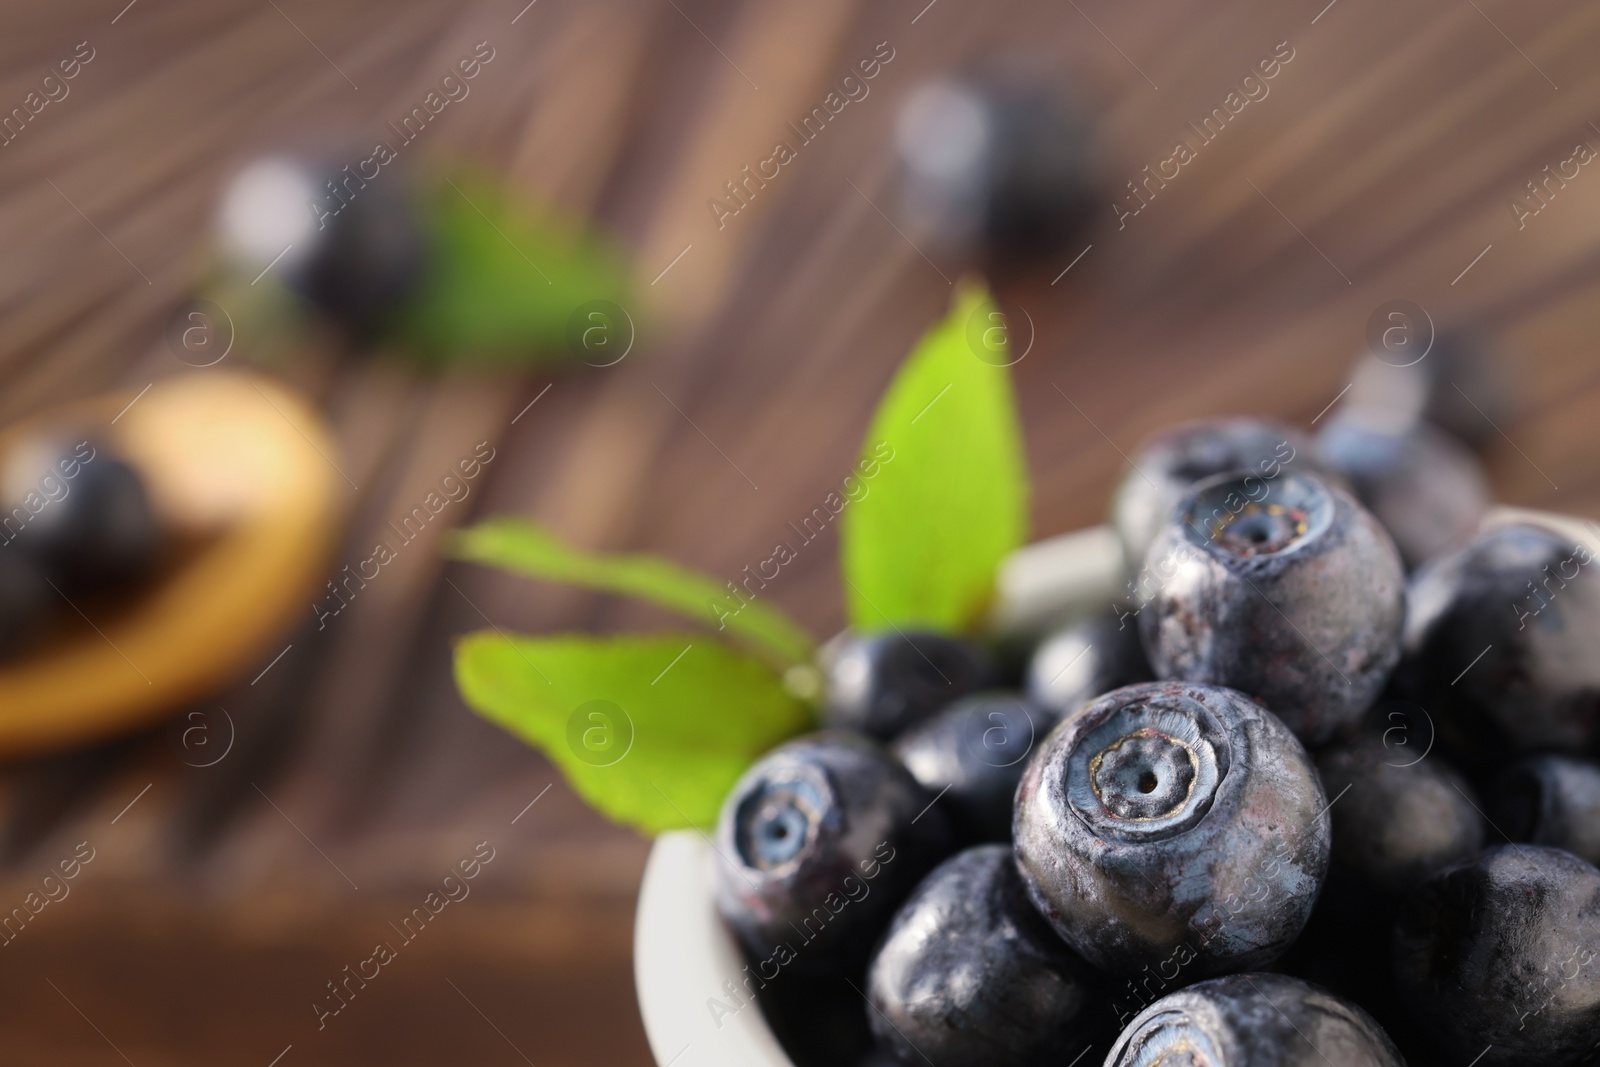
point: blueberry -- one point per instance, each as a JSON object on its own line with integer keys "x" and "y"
{"x": 1172, "y": 827}
{"x": 1166, "y": 466}
{"x": 879, "y": 684}
{"x": 969, "y": 975}
{"x": 1289, "y": 591}
{"x": 971, "y": 755}
{"x": 1397, "y": 819}
{"x": 356, "y": 248}
{"x": 996, "y": 168}
{"x": 1551, "y": 800}
{"x": 820, "y": 1020}
{"x": 1428, "y": 491}
{"x": 1500, "y": 643}
{"x": 103, "y": 531}
{"x": 1253, "y": 1020}
{"x": 1455, "y": 386}
{"x": 1496, "y": 958}
{"x": 818, "y": 842}
{"x": 1076, "y": 664}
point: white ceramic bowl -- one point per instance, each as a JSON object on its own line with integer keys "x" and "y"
{"x": 684, "y": 959}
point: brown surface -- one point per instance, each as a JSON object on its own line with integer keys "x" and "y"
{"x": 207, "y": 924}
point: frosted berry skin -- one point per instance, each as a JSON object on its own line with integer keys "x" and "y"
{"x": 971, "y": 755}
{"x": 1528, "y": 600}
{"x": 1076, "y": 664}
{"x": 1428, "y": 491}
{"x": 1551, "y": 800}
{"x": 1290, "y": 592}
{"x": 1399, "y": 819}
{"x": 817, "y": 844}
{"x": 1254, "y": 1020}
{"x": 1168, "y": 464}
{"x": 1500, "y": 953}
{"x": 968, "y": 974}
{"x": 879, "y": 684}
{"x": 1173, "y": 826}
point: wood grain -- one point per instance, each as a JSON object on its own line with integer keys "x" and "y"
{"x": 1382, "y": 161}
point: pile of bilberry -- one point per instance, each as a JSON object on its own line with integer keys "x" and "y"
{"x": 1284, "y": 804}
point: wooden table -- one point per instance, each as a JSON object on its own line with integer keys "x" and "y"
{"x": 1382, "y": 163}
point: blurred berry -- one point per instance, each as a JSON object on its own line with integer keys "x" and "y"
{"x": 353, "y": 248}
{"x": 1496, "y": 958}
{"x": 880, "y": 684}
{"x": 1457, "y": 386}
{"x": 971, "y": 756}
{"x": 1395, "y": 821}
{"x": 1428, "y": 491}
{"x": 1074, "y": 665}
{"x": 1500, "y": 643}
{"x": 1551, "y": 800}
{"x": 996, "y": 169}
{"x": 102, "y": 531}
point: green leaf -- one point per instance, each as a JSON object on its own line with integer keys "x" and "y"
{"x": 504, "y": 285}
{"x": 652, "y": 731}
{"x": 922, "y": 548}
{"x": 527, "y": 548}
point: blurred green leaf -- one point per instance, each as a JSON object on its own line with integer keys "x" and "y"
{"x": 528, "y": 548}
{"x": 505, "y": 286}
{"x": 922, "y": 548}
{"x": 652, "y": 731}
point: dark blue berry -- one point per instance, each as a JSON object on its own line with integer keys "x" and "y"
{"x": 971, "y": 756}
{"x": 1253, "y": 1020}
{"x": 1428, "y": 491}
{"x": 996, "y": 168}
{"x": 1289, "y": 591}
{"x": 1175, "y": 828}
{"x": 1496, "y": 958}
{"x": 1456, "y": 386}
{"x": 879, "y": 684}
{"x": 1551, "y": 800}
{"x": 969, "y": 975}
{"x": 1500, "y": 643}
{"x": 103, "y": 532}
{"x": 1167, "y": 465}
{"x": 820, "y": 1020}
{"x": 818, "y": 842}
{"x": 356, "y": 248}
{"x": 369, "y": 259}
{"x": 1076, "y": 664}
{"x": 1398, "y": 818}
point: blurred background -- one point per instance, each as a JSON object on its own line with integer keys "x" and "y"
{"x": 251, "y": 844}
